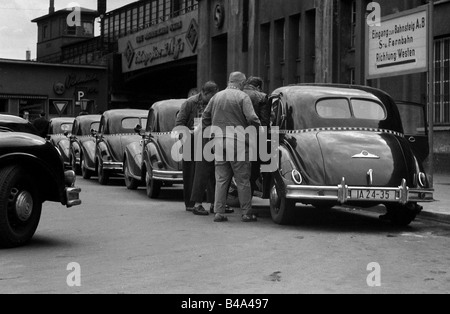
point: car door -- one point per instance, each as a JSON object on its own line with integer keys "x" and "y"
{"x": 414, "y": 119}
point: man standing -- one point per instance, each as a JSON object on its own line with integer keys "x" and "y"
{"x": 253, "y": 88}
{"x": 190, "y": 117}
{"x": 41, "y": 124}
{"x": 232, "y": 108}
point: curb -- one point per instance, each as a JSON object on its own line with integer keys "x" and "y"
{"x": 436, "y": 217}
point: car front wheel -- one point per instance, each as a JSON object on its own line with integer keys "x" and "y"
{"x": 281, "y": 209}
{"x": 85, "y": 172}
{"x": 20, "y": 207}
{"x": 103, "y": 176}
{"x": 130, "y": 182}
{"x": 75, "y": 167}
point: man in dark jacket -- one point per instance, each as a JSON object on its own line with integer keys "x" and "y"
{"x": 197, "y": 175}
{"x": 253, "y": 88}
{"x": 41, "y": 124}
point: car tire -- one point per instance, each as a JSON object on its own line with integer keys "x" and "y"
{"x": 130, "y": 183}
{"x": 85, "y": 172}
{"x": 75, "y": 167}
{"x": 281, "y": 209}
{"x": 103, "y": 176}
{"x": 403, "y": 215}
{"x": 20, "y": 207}
{"x": 153, "y": 186}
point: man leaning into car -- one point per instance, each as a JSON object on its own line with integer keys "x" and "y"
{"x": 197, "y": 175}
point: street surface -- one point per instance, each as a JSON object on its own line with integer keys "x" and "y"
{"x": 125, "y": 243}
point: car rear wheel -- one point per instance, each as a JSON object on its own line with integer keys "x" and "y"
{"x": 281, "y": 209}
{"x": 153, "y": 186}
{"x": 103, "y": 176}
{"x": 130, "y": 182}
{"x": 403, "y": 215}
{"x": 20, "y": 207}
{"x": 75, "y": 167}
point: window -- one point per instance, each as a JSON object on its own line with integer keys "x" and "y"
{"x": 442, "y": 82}
{"x": 334, "y": 109}
{"x": 88, "y": 29}
{"x": 364, "y": 109}
{"x": 3, "y": 105}
{"x": 71, "y": 30}
{"x": 359, "y": 109}
{"x": 45, "y": 32}
{"x": 353, "y": 25}
{"x": 131, "y": 123}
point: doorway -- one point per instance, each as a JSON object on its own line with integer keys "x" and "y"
{"x": 219, "y": 61}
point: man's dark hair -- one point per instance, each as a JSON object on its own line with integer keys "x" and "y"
{"x": 210, "y": 87}
{"x": 255, "y": 81}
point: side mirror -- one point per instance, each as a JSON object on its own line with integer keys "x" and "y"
{"x": 138, "y": 129}
{"x": 93, "y": 132}
{"x": 66, "y": 133}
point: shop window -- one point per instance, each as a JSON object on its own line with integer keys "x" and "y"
{"x": 442, "y": 81}
{"x": 4, "y": 105}
{"x": 88, "y": 29}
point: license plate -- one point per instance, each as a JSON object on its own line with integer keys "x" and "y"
{"x": 373, "y": 195}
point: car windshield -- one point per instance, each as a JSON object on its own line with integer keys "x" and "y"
{"x": 343, "y": 108}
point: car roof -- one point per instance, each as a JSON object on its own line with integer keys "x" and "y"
{"x": 6, "y": 118}
{"x": 89, "y": 118}
{"x": 311, "y": 93}
{"x": 168, "y": 104}
{"x": 125, "y": 113}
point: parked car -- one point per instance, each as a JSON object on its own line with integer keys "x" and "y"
{"x": 31, "y": 173}
{"x": 116, "y": 131}
{"x": 346, "y": 145}
{"x": 150, "y": 160}
{"x": 82, "y": 145}
{"x": 58, "y": 134}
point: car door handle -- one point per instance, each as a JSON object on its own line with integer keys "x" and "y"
{"x": 412, "y": 139}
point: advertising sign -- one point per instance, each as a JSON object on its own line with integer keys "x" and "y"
{"x": 399, "y": 45}
{"x": 171, "y": 40}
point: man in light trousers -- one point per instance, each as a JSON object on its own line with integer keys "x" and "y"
{"x": 232, "y": 108}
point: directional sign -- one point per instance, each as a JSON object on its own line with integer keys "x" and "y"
{"x": 399, "y": 46}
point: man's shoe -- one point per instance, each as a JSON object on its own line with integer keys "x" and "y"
{"x": 229, "y": 210}
{"x": 220, "y": 218}
{"x": 200, "y": 211}
{"x": 249, "y": 218}
{"x": 190, "y": 209}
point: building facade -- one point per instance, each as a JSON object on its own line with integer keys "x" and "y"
{"x": 29, "y": 88}
{"x": 289, "y": 42}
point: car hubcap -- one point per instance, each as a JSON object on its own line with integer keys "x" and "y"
{"x": 23, "y": 204}
{"x": 275, "y": 199}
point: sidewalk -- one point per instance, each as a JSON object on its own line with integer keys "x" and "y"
{"x": 439, "y": 210}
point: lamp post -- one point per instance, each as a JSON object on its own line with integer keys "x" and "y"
{"x": 84, "y": 103}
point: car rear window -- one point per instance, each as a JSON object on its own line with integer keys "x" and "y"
{"x": 343, "y": 108}
{"x": 131, "y": 123}
{"x": 66, "y": 127}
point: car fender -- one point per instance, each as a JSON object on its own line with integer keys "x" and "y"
{"x": 88, "y": 149}
{"x": 51, "y": 186}
{"x": 133, "y": 157}
{"x": 152, "y": 156}
{"x": 103, "y": 153}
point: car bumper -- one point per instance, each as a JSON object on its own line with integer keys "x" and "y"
{"x": 343, "y": 193}
{"x": 170, "y": 176}
{"x": 72, "y": 192}
{"x": 113, "y": 166}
